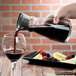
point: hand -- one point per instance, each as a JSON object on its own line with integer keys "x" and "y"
{"x": 61, "y": 13}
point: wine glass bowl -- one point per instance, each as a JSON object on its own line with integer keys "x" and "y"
{"x": 8, "y": 41}
{"x": 13, "y": 47}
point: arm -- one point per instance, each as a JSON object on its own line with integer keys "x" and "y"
{"x": 65, "y": 12}
{"x": 69, "y": 10}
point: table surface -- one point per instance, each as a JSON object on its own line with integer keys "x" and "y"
{"x": 23, "y": 68}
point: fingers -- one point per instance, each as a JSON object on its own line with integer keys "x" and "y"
{"x": 58, "y": 17}
{"x": 54, "y": 15}
{"x": 59, "y": 14}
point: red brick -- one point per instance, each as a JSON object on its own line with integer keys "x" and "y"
{"x": 73, "y": 47}
{"x": 50, "y": 1}
{"x": 40, "y": 7}
{"x": 54, "y": 7}
{"x": 26, "y": 34}
{"x": 1, "y": 41}
{"x": 0, "y": 28}
{"x": 72, "y": 40}
{"x": 68, "y": 1}
{"x": 35, "y": 35}
{"x": 28, "y": 47}
{"x": 74, "y": 34}
{"x": 9, "y": 28}
{"x": 48, "y": 41}
{"x": 36, "y": 14}
{"x": 14, "y": 20}
{"x": 43, "y": 47}
{"x": 21, "y": 7}
{"x": 10, "y": 1}
{"x": 10, "y": 14}
{"x": 73, "y": 20}
{"x": 44, "y": 14}
{"x": 4, "y": 21}
{"x": 3, "y": 8}
{"x": 74, "y": 27}
{"x": 33, "y": 40}
{"x": 0, "y": 47}
{"x": 0, "y": 14}
{"x": 30, "y": 1}
{"x": 69, "y": 52}
{"x": 61, "y": 47}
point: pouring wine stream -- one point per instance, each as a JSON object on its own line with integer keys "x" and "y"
{"x": 15, "y": 36}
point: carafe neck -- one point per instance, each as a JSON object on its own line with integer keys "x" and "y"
{"x": 24, "y": 22}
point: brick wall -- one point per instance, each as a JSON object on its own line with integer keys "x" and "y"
{"x": 9, "y": 11}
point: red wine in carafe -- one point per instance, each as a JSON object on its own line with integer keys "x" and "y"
{"x": 52, "y": 33}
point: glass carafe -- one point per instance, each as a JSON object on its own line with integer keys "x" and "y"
{"x": 59, "y": 32}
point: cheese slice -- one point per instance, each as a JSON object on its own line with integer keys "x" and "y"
{"x": 59, "y": 56}
{"x": 37, "y": 56}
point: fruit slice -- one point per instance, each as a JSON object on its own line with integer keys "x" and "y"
{"x": 71, "y": 61}
{"x": 52, "y": 57}
{"x": 59, "y": 56}
{"x": 43, "y": 53}
{"x": 69, "y": 56}
{"x": 44, "y": 58}
{"x": 37, "y": 56}
{"x": 39, "y": 51}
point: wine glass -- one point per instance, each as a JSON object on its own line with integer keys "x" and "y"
{"x": 8, "y": 45}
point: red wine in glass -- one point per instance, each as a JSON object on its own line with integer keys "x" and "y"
{"x": 14, "y": 56}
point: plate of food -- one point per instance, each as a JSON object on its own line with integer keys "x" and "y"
{"x": 57, "y": 59}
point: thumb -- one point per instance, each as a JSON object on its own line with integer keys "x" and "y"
{"x": 56, "y": 19}
{"x": 57, "y": 16}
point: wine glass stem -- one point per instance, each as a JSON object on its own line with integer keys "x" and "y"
{"x": 13, "y": 67}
